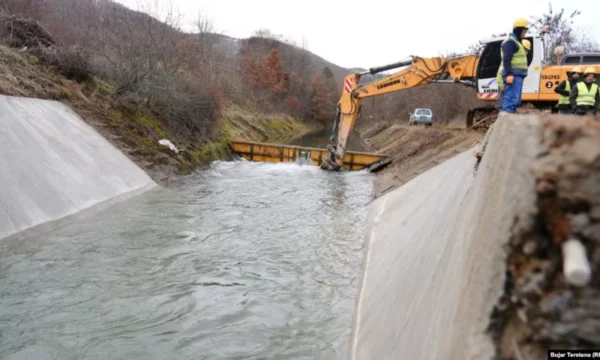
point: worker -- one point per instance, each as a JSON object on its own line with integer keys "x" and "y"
{"x": 564, "y": 89}
{"x": 584, "y": 97}
{"x": 527, "y": 46}
{"x": 514, "y": 63}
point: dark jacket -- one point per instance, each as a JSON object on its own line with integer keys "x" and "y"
{"x": 509, "y": 48}
{"x": 561, "y": 89}
{"x": 574, "y": 93}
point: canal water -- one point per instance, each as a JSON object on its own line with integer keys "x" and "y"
{"x": 241, "y": 261}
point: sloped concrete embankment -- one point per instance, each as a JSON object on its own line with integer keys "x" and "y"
{"x": 52, "y": 165}
{"x": 435, "y": 262}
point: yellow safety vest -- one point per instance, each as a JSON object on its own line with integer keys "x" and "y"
{"x": 564, "y": 100}
{"x": 499, "y": 78}
{"x": 586, "y": 97}
{"x": 519, "y": 59}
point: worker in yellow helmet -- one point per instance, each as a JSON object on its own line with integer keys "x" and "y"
{"x": 584, "y": 97}
{"x": 527, "y": 45}
{"x": 564, "y": 89}
{"x": 514, "y": 65}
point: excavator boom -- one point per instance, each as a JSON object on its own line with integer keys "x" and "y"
{"x": 418, "y": 71}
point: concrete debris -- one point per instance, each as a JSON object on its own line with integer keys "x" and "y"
{"x": 576, "y": 267}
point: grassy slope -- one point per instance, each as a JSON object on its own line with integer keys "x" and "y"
{"x": 132, "y": 129}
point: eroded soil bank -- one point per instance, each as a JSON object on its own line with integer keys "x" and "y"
{"x": 540, "y": 309}
{"x": 414, "y": 150}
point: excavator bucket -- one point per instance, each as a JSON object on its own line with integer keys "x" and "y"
{"x": 275, "y": 153}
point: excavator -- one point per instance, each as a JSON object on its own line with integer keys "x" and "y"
{"x": 477, "y": 71}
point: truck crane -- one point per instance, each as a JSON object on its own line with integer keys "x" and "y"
{"x": 477, "y": 71}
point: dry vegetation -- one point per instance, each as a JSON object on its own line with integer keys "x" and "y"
{"x": 139, "y": 79}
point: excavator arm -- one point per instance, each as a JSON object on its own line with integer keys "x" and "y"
{"x": 418, "y": 71}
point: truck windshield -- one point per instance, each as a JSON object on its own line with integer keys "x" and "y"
{"x": 423, "y": 112}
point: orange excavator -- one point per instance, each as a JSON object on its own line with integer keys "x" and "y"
{"x": 420, "y": 71}
{"x": 474, "y": 70}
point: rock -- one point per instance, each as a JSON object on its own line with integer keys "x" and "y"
{"x": 579, "y": 221}
{"x": 586, "y": 149}
{"x": 530, "y": 247}
{"x": 595, "y": 213}
{"x": 592, "y": 232}
{"x": 556, "y": 302}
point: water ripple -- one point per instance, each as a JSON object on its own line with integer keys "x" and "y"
{"x": 242, "y": 261}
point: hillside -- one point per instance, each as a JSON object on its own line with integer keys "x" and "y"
{"x": 232, "y": 46}
{"x": 138, "y": 80}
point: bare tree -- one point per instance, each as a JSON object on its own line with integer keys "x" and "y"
{"x": 561, "y": 32}
{"x": 29, "y": 8}
{"x": 584, "y": 42}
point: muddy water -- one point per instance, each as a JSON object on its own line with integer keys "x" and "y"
{"x": 242, "y": 261}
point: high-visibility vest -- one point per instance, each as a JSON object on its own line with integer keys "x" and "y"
{"x": 564, "y": 100}
{"x": 499, "y": 78}
{"x": 586, "y": 97}
{"x": 519, "y": 59}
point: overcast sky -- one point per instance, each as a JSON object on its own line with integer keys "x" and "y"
{"x": 353, "y": 33}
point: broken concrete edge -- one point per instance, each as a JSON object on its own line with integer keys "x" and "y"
{"x": 500, "y": 200}
{"x": 540, "y": 309}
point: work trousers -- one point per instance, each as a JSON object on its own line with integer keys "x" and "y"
{"x": 500, "y": 99}
{"x": 512, "y": 94}
{"x": 585, "y": 110}
{"x": 565, "y": 109}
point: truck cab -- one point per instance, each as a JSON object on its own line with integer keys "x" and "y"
{"x": 591, "y": 58}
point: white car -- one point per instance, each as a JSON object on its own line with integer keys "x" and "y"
{"x": 421, "y": 116}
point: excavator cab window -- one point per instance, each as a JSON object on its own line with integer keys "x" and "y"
{"x": 489, "y": 61}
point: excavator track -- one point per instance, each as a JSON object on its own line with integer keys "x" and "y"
{"x": 481, "y": 118}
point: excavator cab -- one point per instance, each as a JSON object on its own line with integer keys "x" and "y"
{"x": 490, "y": 60}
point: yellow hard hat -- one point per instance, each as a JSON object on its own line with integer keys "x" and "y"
{"x": 577, "y": 69}
{"x": 527, "y": 44}
{"x": 589, "y": 70}
{"x": 521, "y": 22}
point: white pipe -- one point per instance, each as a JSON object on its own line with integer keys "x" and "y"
{"x": 576, "y": 267}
